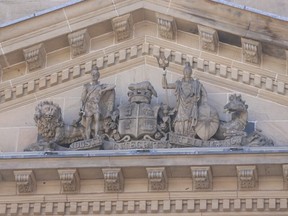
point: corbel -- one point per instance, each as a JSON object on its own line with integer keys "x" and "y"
{"x": 25, "y": 181}
{"x": 35, "y": 56}
{"x": 285, "y": 176}
{"x": 69, "y": 180}
{"x": 166, "y": 27}
{"x": 202, "y": 178}
{"x": 123, "y": 27}
{"x": 247, "y": 177}
{"x": 113, "y": 179}
{"x": 79, "y": 42}
{"x": 157, "y": 178}
{"x": 251, "y": 50}
{"x": 208, "y": 38}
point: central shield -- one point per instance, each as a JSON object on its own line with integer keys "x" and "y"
{"x": 137, "y": 119}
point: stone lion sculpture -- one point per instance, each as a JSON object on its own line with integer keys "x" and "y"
{"x": 52, "y": 131}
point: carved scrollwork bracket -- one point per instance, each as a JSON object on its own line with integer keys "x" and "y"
{"x": 208, "y": 38}
{"x": 247, "y": 177}
{"x": 252, "y": 51}
{"x": 79, "y": 42}
{"x": 202, "y": 178}
{"x": 113, "y": 180}
{"x": 123, "y": 27}
{"x": 157, "y": 178}
{"x": 70, "y": 180}
{"x": 166, "y": 27}
{"x": 35, "y": 56}
{"x": 285, "y": 176}
{"x": 25, "y": 180}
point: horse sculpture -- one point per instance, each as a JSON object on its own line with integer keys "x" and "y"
{"x": 239, "y": 116}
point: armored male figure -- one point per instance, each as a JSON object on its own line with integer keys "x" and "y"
{"x": 97, "y": 102}
{"x": 190, "y": 94}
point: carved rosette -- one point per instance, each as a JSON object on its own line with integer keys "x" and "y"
{"x": 208, "y": 38}
{"x": 202, "y": 178}
{"x": 113, "y": 180}
{"x": 285, "y": 176}
{"x": 35, "y": 57}
{"x": 166, "y": 27}
{"x": 25, "y": 180}
{"x": 252, "y": 51}
{"x": 123, "y": 27}
{"x": 70, "y": 180}
{"x": 79, "y": 42}
{"x": 157, "y": 178}
{"x": 247, "y": 177}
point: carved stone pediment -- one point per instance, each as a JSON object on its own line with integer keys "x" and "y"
{"x": 113, "y": 180}
{"x": 247, "y": 177}
{"x": 123, "y": 27}
{"x": 35, "y": 56}
{"x": 157, "y": 178}
{"x": 25, "y": 180}
{"x": 202, "y": 178}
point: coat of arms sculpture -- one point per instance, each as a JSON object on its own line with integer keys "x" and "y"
{"x": 137, "y": 124}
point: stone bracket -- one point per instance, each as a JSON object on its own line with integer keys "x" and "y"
{"x": 247, "y": 177}
{"x": 166, "y": 27}
{"x": 123, "y": 27}
{"x": 35, "y": 56}
{"x": 70, "y": 180}
{"x": 208, "y": 38}
{"x": 202, "y": 178}
{"x": 251, "y": 50}
{"x": 113, "y": 179}
{"x": 25, "y": 180}
{"x": 79, "y": 42}
{"x": 157, "y": 178}
{"x": 285, "y": 176}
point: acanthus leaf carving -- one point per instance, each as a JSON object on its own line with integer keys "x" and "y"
{"x": 247, "y": 177}
{"x": 123, "y": 27}
{"x": 79, "y": 42}
{"x": 157, "y": 178}
{"x": 70, "y": 180}
{"x": 113, "y": 179}
{"x": 202, "y": 178}
{"x": 35, "y": 56}
{"x": 166, "y": 26}
{"x": 208, "y": 38}
{"x": 252, "y": 51}
{"x": 25, "y": 180}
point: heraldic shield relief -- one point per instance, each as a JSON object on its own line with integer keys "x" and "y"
{"x": 137, "y": 124}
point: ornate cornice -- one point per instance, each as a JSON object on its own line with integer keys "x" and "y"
{"x": 70, "y": 181}
{"x": 256, "y": 81}
{"x": 113, "y": 180}
{"x": 157, "y": 178}
{"x": 25, "y": 180}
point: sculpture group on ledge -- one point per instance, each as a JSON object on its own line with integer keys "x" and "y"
{"x": 137, "y": 124}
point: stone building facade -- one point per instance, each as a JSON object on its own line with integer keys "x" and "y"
{"x": 231, "y": 50}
